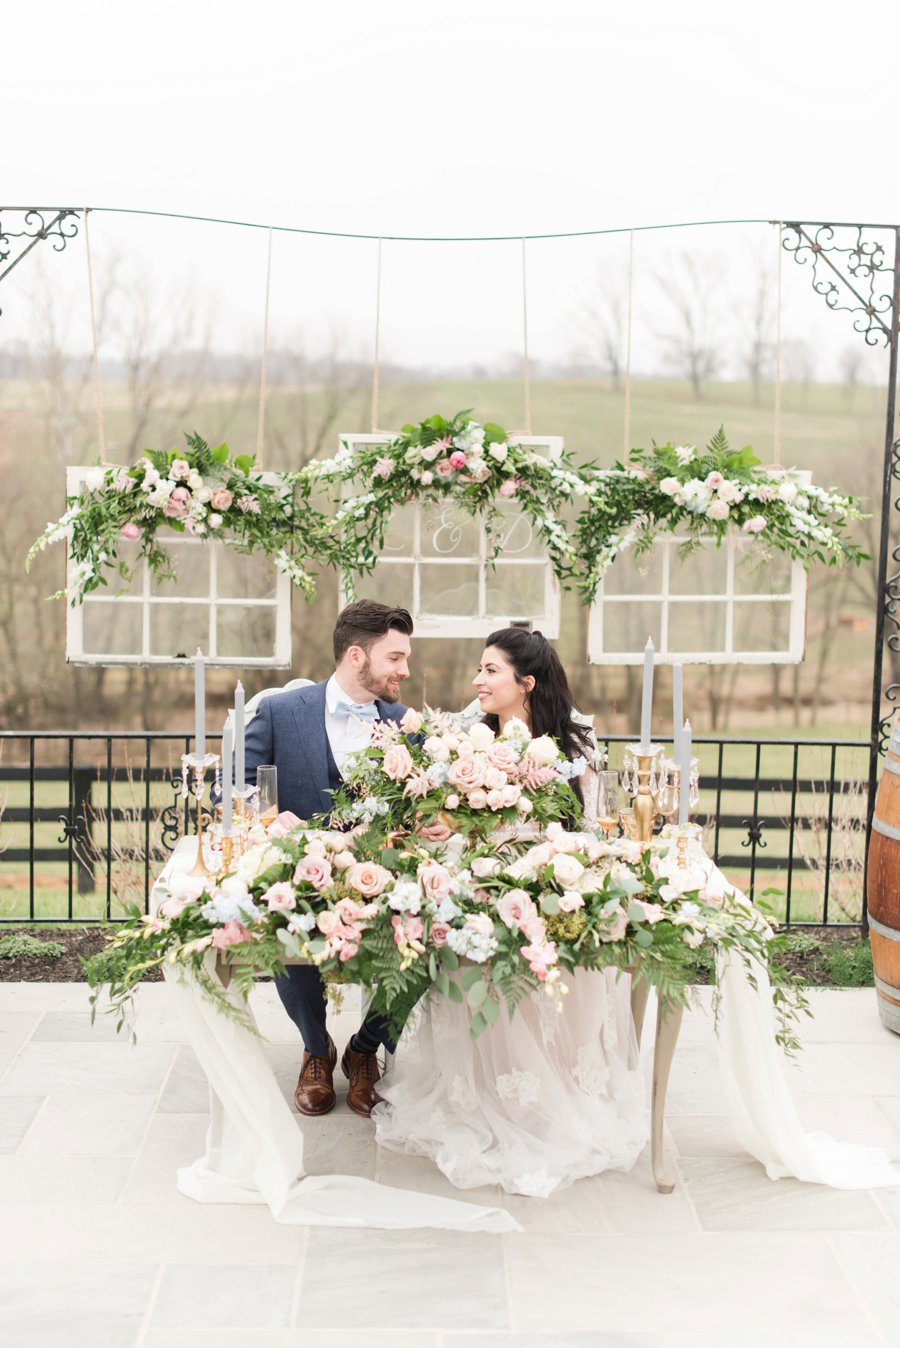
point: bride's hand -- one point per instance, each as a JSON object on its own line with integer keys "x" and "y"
{"x": 436, "y": 833}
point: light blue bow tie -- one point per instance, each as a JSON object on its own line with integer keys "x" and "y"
{"x": 363, "y": 711}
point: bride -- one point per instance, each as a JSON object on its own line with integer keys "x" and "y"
{"x": 544, "y": 1098}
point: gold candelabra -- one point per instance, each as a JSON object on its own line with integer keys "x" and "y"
{"x": 655, "y": 784}
{"x": 193, "y": 782}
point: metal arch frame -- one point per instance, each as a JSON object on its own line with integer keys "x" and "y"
{"x": 36, "y": 228}
{"x": 868, "y": 287}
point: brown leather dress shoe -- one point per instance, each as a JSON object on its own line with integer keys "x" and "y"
{"x": 361, "y": 1070}
{"x": 315, "y": 1088}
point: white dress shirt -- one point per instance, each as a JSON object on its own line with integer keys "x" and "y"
{"x": 346, "y": 734}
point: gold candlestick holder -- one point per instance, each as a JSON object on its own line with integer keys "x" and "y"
{"x": 193, "y": 775}
{"x": 643, "y": 778}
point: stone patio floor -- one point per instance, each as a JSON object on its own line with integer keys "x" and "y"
{"x": 97, "y": 1247}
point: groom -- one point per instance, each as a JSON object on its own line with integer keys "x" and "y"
{"x": 308, "y": 734}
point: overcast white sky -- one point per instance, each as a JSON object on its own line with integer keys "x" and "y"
{"x": 411, "y": 118}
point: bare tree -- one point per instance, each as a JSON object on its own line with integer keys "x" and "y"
{"x": 798, "y": 364}
{"x": 602, "y": 323}
{"x": 692, "y": 339}
{"x": 755, "y": 321}
{"x": 850, "y": 364}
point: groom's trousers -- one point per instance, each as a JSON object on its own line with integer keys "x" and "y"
{"x": 302, "y": 993}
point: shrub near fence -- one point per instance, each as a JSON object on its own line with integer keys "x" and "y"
{"x": 90, "y": 818}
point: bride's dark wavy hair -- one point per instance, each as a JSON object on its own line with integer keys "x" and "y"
{"x": 549, "y": 703}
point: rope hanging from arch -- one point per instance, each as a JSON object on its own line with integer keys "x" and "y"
{"x": 98, "y": 392}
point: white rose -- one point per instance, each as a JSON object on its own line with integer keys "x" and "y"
{"x": 203, "y": 495}
{"x": 426, "y": 478}
{"x": 215, "y": 521}
{"x": 516, "y": 729}
{"x": 476, "y": 449}
{"x": 499, "y": 452}
{"x": 566, "y": 869}
{"x": 718, "y": 510}
{"x": 542, "y": 750}
{"x": 429, "y": 453}
{"x": 194, "y": 481}
{"x": 93, "y": 478}
{"x": 730, "y": 491}
{"x": 669, "y": 486}
{"x": 481, "y": 736}
{"x": 787, "y": 491}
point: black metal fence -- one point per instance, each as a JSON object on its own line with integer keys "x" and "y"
{"x": 88, "y": 819}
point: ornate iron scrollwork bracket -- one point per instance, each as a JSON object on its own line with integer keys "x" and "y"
{"x": 754, "y": 833}
{"x": 34, "y": 224}
{"x": 75, "y": 828}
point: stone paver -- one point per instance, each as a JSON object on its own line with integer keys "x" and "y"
{"x": 98, "y": 1247}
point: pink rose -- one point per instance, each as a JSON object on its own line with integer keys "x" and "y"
{"x": 280, "y": 898}
{"x": 714, "y": 481}
{"x": 495, "y": 799}
{"x": 615, "y": 930}
{"x": 494, "y": 779}
{"x": 180, "y": 494}
{"x": 349, "y": 911}
{"x": 503, "y": 755}
{"x": 180, "y": 468}
{"x": 174, "y": 510}
{"x": 467, "y": 773}
{"x": 484, "y": 866}
{"x": 755, "y": 525}
{"x": 436, "y": 882}
{"x": 221, "y": 498}
{"x": 383, "y": 467}
{"x": 570, "y": 902}
{"x": 444, "y": 468}
{"x": 411, "y": 722}
{"x": 457, "y": 459}
{"x": 312, "y": 870}
{"x": 129, "y": 530}
{"x": 478, "y": 799}
{"x": 439, "y": 934}
{"x": 367, "y": 878}
{"x": 231, "y": 934}
{"x": 508, "y": 488}
{"x": 516, "y": 907}
{"x": 511, "y": 794}
{"x": 452, "y": 801}
{"x": 343, "y": 861}
{"x": 328, "y": 922}
{"x": 173, "y": 908}
{"x": 397, "y": 762}
{"x": 480, "y": 923}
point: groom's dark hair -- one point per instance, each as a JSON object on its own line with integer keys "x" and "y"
{"x": 363, "y": 622}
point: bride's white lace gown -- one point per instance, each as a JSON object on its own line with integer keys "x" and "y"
{"x": 532, "y": 1104}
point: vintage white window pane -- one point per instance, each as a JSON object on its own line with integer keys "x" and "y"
{"x": 190, "y": 562}
{"x": 635, "y": 575}
{"x": 177, "y": 630}
{"x": 451, "y": 589}
{"x": 700, "y": 572}
{"x": 111, "y": 628}
{"x": 762, "y": 626}
{"x": 244, "y": 630}
{"x": 448, "y": 531}
{"x": 758, "y": 570}
{"x": 519, "y": 536}
{"x": 697, "y": 626}
{"x": 391, "y": 583}
{"x": 239, "y": 576}
{"x": 400, "y": 531}
{"x": 626, "y": 626}
{"x": 516, "y": 591}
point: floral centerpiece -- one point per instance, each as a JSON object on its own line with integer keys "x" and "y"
{"x": 708, "y": 493}
{"x": 479, "y": 467}
{"x": 198, "y": 490}
{"x": 486, "y": 927}
{"x": 433, "y": 765}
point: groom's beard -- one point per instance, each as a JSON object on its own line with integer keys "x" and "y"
{"x": 387, "y": 688}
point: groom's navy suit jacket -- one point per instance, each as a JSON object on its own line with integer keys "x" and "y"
{"x": 289, "y": 731}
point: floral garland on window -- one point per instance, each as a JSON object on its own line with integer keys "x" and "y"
{"x": 708, "y": 493}
{"x": 477, "y": 467}
{"x": 199, "y": 490}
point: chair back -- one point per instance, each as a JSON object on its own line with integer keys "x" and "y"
{"x": 251, "y": 707}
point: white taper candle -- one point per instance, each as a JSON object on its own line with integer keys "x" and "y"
{"x": 677, "y": 707}
{"x": 227, "y": 779}
{"x": 199, "y": 705}
{"x": 684, "y": 794}
{"x": 647, "y": 699}
{"x": 239, "y": 782}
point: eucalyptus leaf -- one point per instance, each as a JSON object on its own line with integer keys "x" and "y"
{"x": 491, "y": 1010}
{"x": 477, "y": 993}
{"x": 454, "y": 993}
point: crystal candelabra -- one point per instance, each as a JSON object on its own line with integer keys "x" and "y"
{"x": 193, "y": 783}
{"x": 655, "y": 784}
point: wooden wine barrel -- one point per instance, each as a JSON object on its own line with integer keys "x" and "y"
{"x": 883, "y": 888}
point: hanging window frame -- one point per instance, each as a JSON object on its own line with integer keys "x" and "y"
{"x": 144, "y": 597}
{"x": 666, "y": 548}
{"x": 430, "y": 623}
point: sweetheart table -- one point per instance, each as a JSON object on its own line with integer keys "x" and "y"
{"x": 254, "y": 1149}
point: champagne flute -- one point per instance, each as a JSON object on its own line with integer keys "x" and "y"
{"x": 608, "y": 801}
{"x": 267, "y": 786}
